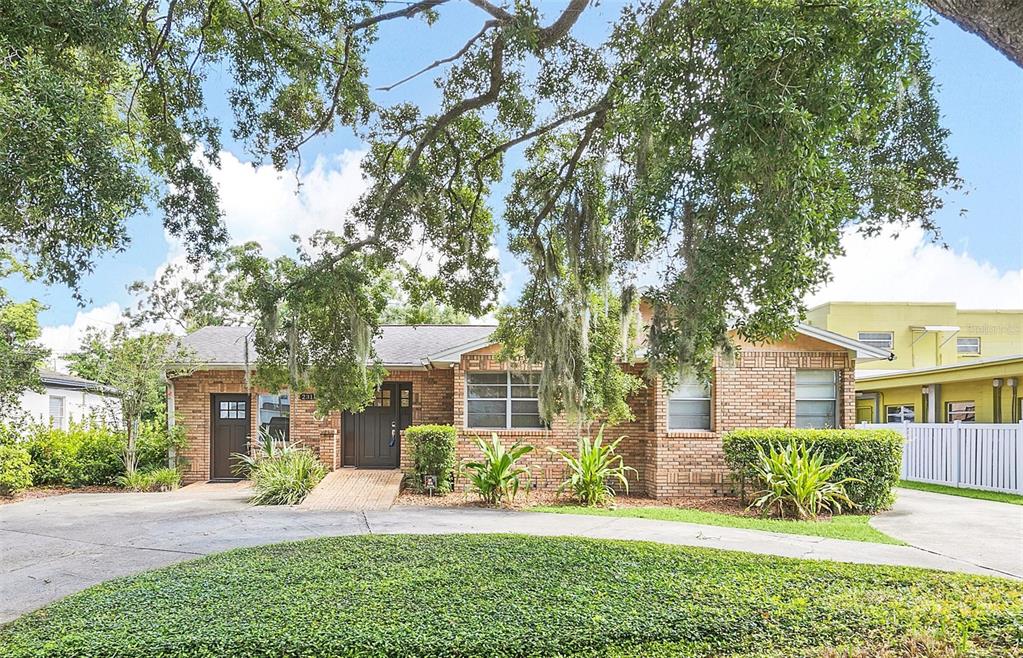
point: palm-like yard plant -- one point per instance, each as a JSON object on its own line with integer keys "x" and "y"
{"x": 497, "y": 476}
{"x": 593, "y": 470}
{"x": 797, "y": 481}
{"x": 282, "y": 472}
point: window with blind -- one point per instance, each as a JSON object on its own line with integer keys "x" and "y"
{"x": 816, "y": 399}
{"x": 880, "y": 339}
{"x": 968, "y": 346}
{"x": 689, "y": 405}
{"x": 964, "y": 411}
{"x": 502, "y": 400}
{"x": 57, "y": 411}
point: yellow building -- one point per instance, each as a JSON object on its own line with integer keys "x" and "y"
{"x": 948, "y": 364}
{"x": 923, "y": 335}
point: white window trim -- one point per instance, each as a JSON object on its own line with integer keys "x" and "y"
{"x": 62, "y": 419}
{"x": 507, "y": 402}
{"x": 838, "y": 395}
{"x": 901, "y": 407}
{"x": 259, "y": 409}
{"x": 873, "y": 343}
{"x": 949, "y": 412}
{"x": 710, "y": 411}
{"x": 980, "y": 346}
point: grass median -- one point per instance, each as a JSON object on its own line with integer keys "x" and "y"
{"x": 507, "y": 595}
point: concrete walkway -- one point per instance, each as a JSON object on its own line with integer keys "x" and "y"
{"x": 981, "y": 532}
{"x": 51, "y": 547}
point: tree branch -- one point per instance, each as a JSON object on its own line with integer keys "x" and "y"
{"x": 468, "y": 44}
{"x": 559, "y": 28}
{"x": 464, "y": 106}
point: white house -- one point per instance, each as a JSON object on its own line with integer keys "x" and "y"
{"x": 67, "y": 398}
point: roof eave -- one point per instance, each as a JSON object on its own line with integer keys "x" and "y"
{"x": 863, "y": 351}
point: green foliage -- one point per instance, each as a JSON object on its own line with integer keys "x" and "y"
{"x": 721, "y": 145}
{"x": 20, "y": 353}
{"x": 499, "y": 595}
{"x": 874, "y": 458}
{"x": 159, "y": 479}
{"x": 81, "y": 455}
{"x": 15, "y": 469}
{"x": 432, "y": 448}
{"x": 155, "y": 442}
{"x": 192, "y": 299}
{"x": 136, "y": 364}
{"x": 605, "y": 333}
{"x": 593, "y": 470}
{"x": 497, "y": 477}
{"x": 282, "y": 473}
{"x": 795, "y": 480}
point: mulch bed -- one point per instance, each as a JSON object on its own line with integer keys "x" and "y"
{"x": 46, "y": 492}
{"x": 723, "y": 505}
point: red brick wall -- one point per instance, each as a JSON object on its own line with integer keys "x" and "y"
{"x": 192, "y": 410}
{"x": 756, "y": 390}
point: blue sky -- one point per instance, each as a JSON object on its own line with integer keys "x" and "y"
{"x": 981, "y": 96}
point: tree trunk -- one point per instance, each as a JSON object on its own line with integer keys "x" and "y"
{"x": 999, "y": 22}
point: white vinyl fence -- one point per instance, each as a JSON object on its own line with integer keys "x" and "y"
{"x": 970, "y": 455}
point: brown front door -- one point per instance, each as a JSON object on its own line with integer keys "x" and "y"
{"x": 229, "y": 433}
{"x": 372, "y": 437}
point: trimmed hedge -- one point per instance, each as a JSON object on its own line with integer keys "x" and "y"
{"x": 78, "y": 456}
{"x": 876, "y": 458}
{"x": 432, "y": 448}
{"x": 506, "y": 595}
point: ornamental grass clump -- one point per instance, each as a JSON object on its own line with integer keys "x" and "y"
{"x": 282, "y": 472}
{"x": 497, "y": 477}
{"x": 594, "y": 469}
{"x": 796, "y": 482}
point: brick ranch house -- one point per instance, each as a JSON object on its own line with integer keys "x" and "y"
{"x": 450, "y": 374}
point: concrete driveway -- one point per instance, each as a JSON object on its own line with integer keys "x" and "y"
{"x": 52, "y": 547}
{"x": 981, "y": 532}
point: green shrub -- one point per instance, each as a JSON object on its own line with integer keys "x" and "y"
{"x": 875, "y": 458}
{"x": 154, "y": 442}
{"x": 78, "y": 456}
{"x": 282, "y": 473}
{"x": 15, "y": 469}
{"x": 595, "y": 467}
{"x": 432, "y": 448}
{"x": 160, "y": 479}
{"x": 497, "y": 476}
{"x": 797, "y": 482}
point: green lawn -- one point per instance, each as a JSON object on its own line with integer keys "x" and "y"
{"x": 996, "y": 496}
{"x": 507, "y": 595}
{"x": 846, "y": 526}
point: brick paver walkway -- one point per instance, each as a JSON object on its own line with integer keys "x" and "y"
{"x": 352, "y": 489}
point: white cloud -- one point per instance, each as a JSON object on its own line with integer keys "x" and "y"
{"x": 65, "y": 338}
{"x": 269, "y": 206}
{"x": 912, "y": 268}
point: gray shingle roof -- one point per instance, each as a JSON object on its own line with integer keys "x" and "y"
{"x": 396, "y": 345}
{"x": 57, "y": 379}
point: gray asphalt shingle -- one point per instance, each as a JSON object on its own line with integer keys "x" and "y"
{"x": 395, "y": 345}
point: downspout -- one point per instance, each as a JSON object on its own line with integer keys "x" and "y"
{"x": 996, "y": 400}
{"x": 1014, "y": 411}
{"x": 172, "y": 451}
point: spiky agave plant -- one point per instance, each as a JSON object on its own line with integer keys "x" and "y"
{"x": 594, "y": 469}
{"x": 497, "y": 477}
{"x": 796, "y": 480}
